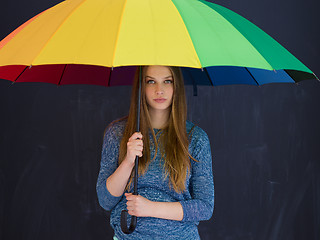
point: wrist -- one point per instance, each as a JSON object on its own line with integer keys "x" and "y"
{"x": 127, "y": 163}
{"x": 153, "y": 209}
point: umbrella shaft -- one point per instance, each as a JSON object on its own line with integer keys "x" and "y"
{"x": 135, "y": 191}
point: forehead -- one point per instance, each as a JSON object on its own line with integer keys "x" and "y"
{"x": 158, "y": 71}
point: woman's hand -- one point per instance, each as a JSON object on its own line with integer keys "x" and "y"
{"x": 134, "y": 147}
{"x": 139, "y": 206}
{"x": 117, "y": 182}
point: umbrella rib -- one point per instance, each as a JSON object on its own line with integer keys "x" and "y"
{"x": 211, "y": 80}
{"x": 252, "y": 76}
{"x": 118, "y": 33}
{"x": 109, "y": 80}
{"x": 65, "y": 66}
{"x": 20, "y": 75}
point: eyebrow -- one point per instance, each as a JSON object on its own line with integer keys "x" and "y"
{"x": 164, "y": 77}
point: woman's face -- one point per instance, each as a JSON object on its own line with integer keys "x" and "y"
{"x": 159, "y": 88}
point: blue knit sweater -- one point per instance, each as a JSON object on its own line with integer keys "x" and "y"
{"x": 196, "y": 200}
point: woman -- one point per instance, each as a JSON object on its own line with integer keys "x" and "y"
{"x": 175, "y": 182}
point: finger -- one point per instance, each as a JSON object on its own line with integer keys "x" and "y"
{"x": 133, "y": 147}
{"x": 139, "y": 135}
{"x": 135, "y": 142}
{"x": 138, "y": 142}
{"x": 130, "y": 206}
{"x": 138, "y": 148}
{"x": 130, "y": 199}
{"x": 136, "y": 153}
{"x": 131, "y": 212}
{"x": 135, "y": 136}
{"x": 127, "y": 194}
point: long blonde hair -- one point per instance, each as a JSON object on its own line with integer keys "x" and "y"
{"x": 173, "y": 142}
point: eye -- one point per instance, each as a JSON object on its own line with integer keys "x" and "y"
{"x": 150, "y": 81}
{"x": 168, "y": 81}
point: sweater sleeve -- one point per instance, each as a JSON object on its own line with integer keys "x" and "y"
{"x": 201, "y": 187}
{"x": 109, "y": 163}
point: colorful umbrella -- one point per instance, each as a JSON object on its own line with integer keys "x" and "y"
{"x": 81, "y": 41}
{"x": 88, "y": 34}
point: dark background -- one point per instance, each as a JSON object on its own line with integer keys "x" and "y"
{"x": 265, "y": 143}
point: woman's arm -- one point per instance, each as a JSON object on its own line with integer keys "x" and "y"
{"x": 108, "y": 164}
{"x": 110, "y": 192}
{"x": 201, "y": 186}
{"x": 117, "y": 182}
{"x": 141, "y": 207}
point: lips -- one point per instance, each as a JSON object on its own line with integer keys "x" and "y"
{"x": 159, "y": 100}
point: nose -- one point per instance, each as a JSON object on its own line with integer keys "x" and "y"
{"x": 159, "y": 89}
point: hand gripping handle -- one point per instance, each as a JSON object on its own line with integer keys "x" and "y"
{"x": 124, "y": 213}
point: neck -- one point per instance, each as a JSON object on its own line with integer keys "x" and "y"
{"x": 159, "y": 118}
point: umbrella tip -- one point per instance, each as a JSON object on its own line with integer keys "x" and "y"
{"x": 11, "y": 84}
{"x": 315, "y": 76}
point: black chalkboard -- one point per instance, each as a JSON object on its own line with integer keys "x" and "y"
{"x": 265, "y": 143}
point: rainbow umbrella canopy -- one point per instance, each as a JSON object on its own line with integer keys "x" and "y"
{"x": 90, "y": 42}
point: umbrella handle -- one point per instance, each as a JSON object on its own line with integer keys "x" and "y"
{"x": 124, "y": 213}
{"x": 124, "y": 226}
